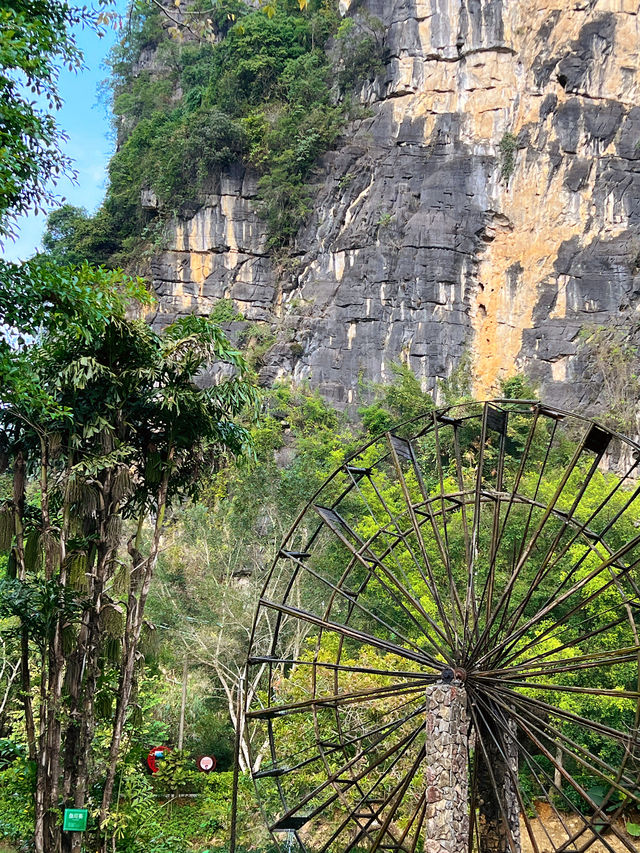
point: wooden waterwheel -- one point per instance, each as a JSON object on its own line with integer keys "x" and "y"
{"x": 445, "y": 655}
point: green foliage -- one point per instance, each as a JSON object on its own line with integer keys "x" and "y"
{"x": 73, "y": 303}
{"x": 35, "y": 39}
{"x": 249, "y": 63}
{"x": 225, "y": 311}
{"x": 508, "y": 146}
{"x": 129, "y": 822}
{"x": 400, "y": 401}
{"x": 17, "y": 785}
{"x": 261, "y": 93}
{"x": 359, "y": 50}
{"x": 143, "y": 822}
{"x": 613, "y": 356}
{"x": 39, "y": 295}
{"x": 63, "y": 239}
{"x": 456, "y": 388}
{"x": 171, "y": 153}
{"x": 518, "y": 387}
{"x": 217, "y": 801}
{"x": 256, "y": 340}
{"x": 177, "y": 774}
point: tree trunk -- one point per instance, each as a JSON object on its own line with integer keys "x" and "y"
{"x": 82, "y": 674}
{"x": 19, "y": 496}
{"x": 183, "y": 704}
{"x": 81, "y": 679}
{"x": 48, "y": 832}
{"x": 133, "y": 629}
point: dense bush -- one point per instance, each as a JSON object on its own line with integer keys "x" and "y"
{"x": 17, "y": 784}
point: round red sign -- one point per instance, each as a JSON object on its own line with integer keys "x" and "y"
{"x": 207, "y": 763}
{"x": 156, "y": 754}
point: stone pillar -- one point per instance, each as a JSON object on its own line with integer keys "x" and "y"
{"x": 446, "y": 769}
{"x": 498, "y": 835}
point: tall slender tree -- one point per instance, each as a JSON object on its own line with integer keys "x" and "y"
{"x": 116, "y": 431}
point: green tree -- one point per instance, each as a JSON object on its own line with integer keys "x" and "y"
{"x": 36, "y": 40}
{"x": 396, "y": 402}
{"x": 117, "y": 432}
{"x": 63, "y": 238}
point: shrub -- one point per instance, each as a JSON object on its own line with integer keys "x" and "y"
{"x": 17, "y": 785}
{"x": 359, "y": 50}
{"x": 508, "y": 146}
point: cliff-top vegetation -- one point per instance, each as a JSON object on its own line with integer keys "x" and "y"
{"x": 270, "y": 90}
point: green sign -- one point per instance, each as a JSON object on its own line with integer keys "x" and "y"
{"x": 75, "y": 820}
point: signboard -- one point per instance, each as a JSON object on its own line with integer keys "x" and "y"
{"x": 206, "y": 763}
{"x": 75, "y": 820}
{"x": 155, "y": 756}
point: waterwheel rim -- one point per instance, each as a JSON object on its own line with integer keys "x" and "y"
{"x": 483, "y": 548}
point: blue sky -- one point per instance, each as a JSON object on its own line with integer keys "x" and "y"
{"x": 86, "y": 122}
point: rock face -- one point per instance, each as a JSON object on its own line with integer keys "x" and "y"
{"x": 488, "y": 204}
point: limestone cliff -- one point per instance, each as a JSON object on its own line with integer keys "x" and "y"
{"x": 489, "y": 203}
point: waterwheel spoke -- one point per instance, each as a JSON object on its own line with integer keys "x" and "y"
{"x": 591, "y": 725}
{"x": 418, "y": 818}
{"x": 514, "y": 663}
{"x": 537, "y": 662}
{"x": 567, "y": 688}
{"x": 396, "y": 795}
{"x": 369, "y": 695}
{"x": 453, "y": 589}
{"x": 486, "y": 598}
{"x": 465, "y": 526}
{"x": 555, "y": 597}
{"x": 584, "y": 529}
{"x": 374, "y": 813}
{"x": 335, "y": 778}
{"x": 548, "y": 568}
{"x": 365, "y": 670}
{"x": 501, "y": 746}
{"x": 475, "y": 529}
{"x": 398, "y": 592}
{"x": 351, "y": 597}
{"x": 542, "y": 569}
{"x": 560, "y": 630}
{"x": 513, "y": 494}
{"x": 578, "y": 788}
{"x": 512, "y": 639}
{"x": 427, "y": 573}
{"x": 536, "y": 772}
{"x": 582, "y": 755}
{"x": 500, "y": 612}
{"x": 280, "y": 767}
{"x": 399, "y": 535}
{"x": 353, "y": 634}
{"x": 360, "y": 549}
{"x": 581, "y": 531}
